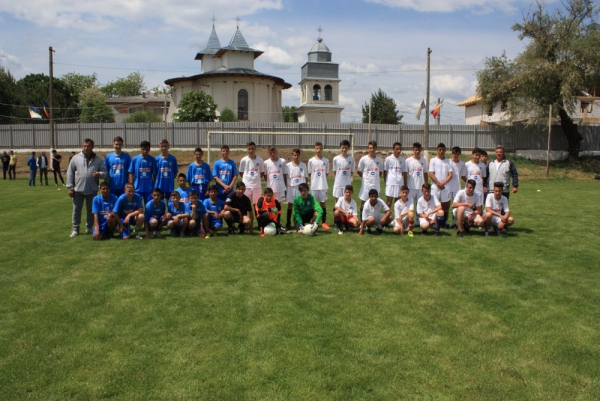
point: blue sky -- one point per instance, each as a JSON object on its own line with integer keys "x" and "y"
{"x": 372, "y": 40}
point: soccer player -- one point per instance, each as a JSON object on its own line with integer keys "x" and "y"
{"x": 105, "y": 220}
{"x": 307, "y": 209}
{"x": 225, "y": 173}
{"x": 117, "y": 164}
{"x": 343, "y": 165}
{"x": 318, "y": 168}
{"x": 155, "y": 214}
{"x": 165, "y": 170}
{"x": 404, "y": 213}
{"x": 252, "y": 169}
{"x": 183, "y": 190}
{"x": 276, "y": 174}
{"x": 369, "y": 169}
{"x": 417, "y": 172}
{"x": 297, "y": 174}
{"x": 215, "y": 209}
{"x": 459, "y": 171}
{"x": 394, "y": 173}
{"x": 441, "y": 174}
{"x": 178, "y": 218}
{"x": 268, "y": 210}
{"x": 141, "y": 172}
{"x": 467, "y": 208}
{"x": 199, "y": 175}
{"x": 238, "y": 209}
{"x": 345, "y": 212}
{"x": 198, "y": 224}
{"x": 429, "y": 210}
{"x": 375, "y": 213}
{"x": 32, "y": 163}
{"x": 476, "y": 171}
{"x": 130, "y": 210}
{"x": 497, "y": 213}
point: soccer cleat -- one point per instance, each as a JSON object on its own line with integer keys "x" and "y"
{"x": 485, "y": 234}
{"x": 504, "y": 231}
{"x": 182, "y": 234}
{"x": 325, "y": 226}
{"x": 498, "y": 232}
{"x": 454, "y": 226}
{"x": 459, "y": 234}
{"x": 231, "y": 231}
{"x": 88, "y": 231}
{"x": 437, "y": 233}
{"x": 446, "y": 226}
{"x": 379, "y": 230}
{"x": 466, "y": 226}
{"x": 173, "y": 233}
{"x": 340, "y": 232}
{"x": 74, "y": 233}
{"x": 369, "y": 231}
{"x": 263, "y": 234}
{"x": 410, "y": 234}
{"x": 157, "y": 234}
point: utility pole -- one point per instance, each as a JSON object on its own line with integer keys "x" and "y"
{"x": 549, "y": 141}
{"x": 437, "y": 118}
{"x": 51, "y": 120}
{"x": 165, "y": 117}
{"x": 370, "y": 115}
{"x": 426, "y": 138}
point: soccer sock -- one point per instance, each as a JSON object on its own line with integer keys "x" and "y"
{"x": 410, "y": 225}
{"x": 439, "y": 222}
{"x": 289, "y": 217}
{"x": 338, "y": 224}
{"x": 324, "y": 216}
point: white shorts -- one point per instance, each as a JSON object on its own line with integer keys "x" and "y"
{"x": 320, "y": 195}
{"x": 291, "y": 194}
{"x": 431, "y": 217}
{"x": 468, "y": 212}
{"x": 443, "y": 195}
{"x": 280, "y": 196}
{"x": 338, "y": 192}
{"x": 415, "y": 194}
{"x": 377, "y": 220}
{"x": 393, "y": 191}
{"x": 363, "y": 195}
{"x": 404, "y": 222}
{"x": 495, "y": 221}
{"x": 253, "y": 194}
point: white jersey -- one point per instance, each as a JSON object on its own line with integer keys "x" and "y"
{"x": 395, "y": 166}
{"x": 251, "y": 169}
{"x": 347, "y": 207}
{"x": 318, "y": 170}
{"x": 458, "y": 170}
{"x": 426, "y": 207}
{"x": 476, "y": 199}
{"x": 498, "y": 206}
{"x": 401, "y": 207}
{"x": 296, "y": 174}
{"x": 376, "y": 211}
{"x": 275, "y": 172}
{"x": 440, "y": 168}
{"x": 476, "y": 172}
{"x": 416, "y": 172}
{"x": 370, "y": 169}
{"x": 343, "y": 167}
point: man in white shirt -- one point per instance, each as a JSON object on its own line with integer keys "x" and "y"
{"x": 476, "y": 171}
{"x": 417, "y": 173}
{"x": 459, "y": 172}
{"x": 497, "y": 213}
{"x": 318, "y": 168}
{"x": 297, "y": 174}
{"x": 343, "y": 165}
{"x": 276, "y": 174}
{"x": 429, "y": 210}
{"x": 404, "y": 213}
{"x": 375, "y": 213}
{"x": 369, "y": 169}
{"x": 441, "y": 174}
{"x": 394, "y": 173}
{"x": 467, "y": 208}
{"x": 252, "y": 169}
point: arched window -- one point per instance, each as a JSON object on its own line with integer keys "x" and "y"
{"x": 328, "y": 92}
{"x": 317, "y": 92}
{"x": 243, "y": 104}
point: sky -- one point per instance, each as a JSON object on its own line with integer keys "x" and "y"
{"x": 377, "y": 43}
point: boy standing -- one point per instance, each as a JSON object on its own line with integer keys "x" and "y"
{"x": 343, "y": 165}
{"x": 199, "y": 175}
{"x": 369, "y": 169}
{"x": 467, "y": 208}
{"x": 404, "y": 213}
{"x": 130, "y": 210}
{"x": 306, "y": 209}
{"x": 417, "y": 172}
{"x": 42, "y": 163}
{"x": 441, "y": 174}
{"x": 476, "y": 171}
{"x": 225, "y": 173}
{"x": 214, "y": 208}
{"x": 296, "y": 175}
{"x": 318, "y": 168}
{"x": 56, "y": 159}
{"x": 178, "y": 218}
{"x": 32, "y": 163}
{"x": 276, "y": 174}
{"x": 238, "y": 209}
{"x": 165, "y": 170}
{"x": 198, "y": 224}
{"x": 183, "y": 190}
{"x": 459, "y": 171}
{"x": 268, "y": 210}
{"x": 429, "y": 210}
{"x": 105, "y": 220}
{"x": 394, "y": 173}
{"x": 346, "y": 212}
{"x": 155, "y": 214}
{"x": 252, "y": 170}
{"x": 117, "y": 164}
{"x": 141, "y": 172}
{"x": 375, "y": 213}
{"x": 497, "y": 213}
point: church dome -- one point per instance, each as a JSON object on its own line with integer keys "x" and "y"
{"x": 320, "y": 47}
{"x": 319, "y": 52}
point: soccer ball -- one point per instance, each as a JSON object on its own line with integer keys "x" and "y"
{"x": 310, "y": 229}
{"x": 270, "y": 229}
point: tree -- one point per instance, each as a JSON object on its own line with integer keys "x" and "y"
{"x": 561, "y": 60}
{"x": 34, "y": 89}
{"x": 94, "y": 108}
{"x": 228, "y": 116}
{"x": 80, "y": 82}
{"x": 383, "y": 110}
{"x": 143, "y": 116}
{"x": 290, "y": 115}
{"x": 196, "y": 106}
{"x": 8, "y": 96}
{"x": 132, "y": 85}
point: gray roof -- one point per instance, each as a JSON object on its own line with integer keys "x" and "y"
{"x": 238, "y": 40}
{"x": 139, "y": 99}
{"x": 320, "y": 47}
{"x": 230, "y": 71}
{"x": 212, "y": 46}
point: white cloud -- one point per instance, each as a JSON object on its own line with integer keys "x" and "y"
{"x": 346, "y": 66}
{"x": 276, "y": 56}
{"x": 451, "y": 86}
{"x": 9, "y": 61}
{"x": 477, "y": 6}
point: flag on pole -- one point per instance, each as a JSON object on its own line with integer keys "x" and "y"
{"x": 436, "y": 111}
{"x": 34, "y": 112}
{"x": 47, "y": 111}
{"x": 421, "y": 107}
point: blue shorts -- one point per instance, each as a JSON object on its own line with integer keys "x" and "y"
{"x": 146, "y": 196}
{"x": 117, "y": 192}
{"x": 103, "y": 229}
{"x": 213, "y": 222}
{"x": 200, "y": 189}
{"x": 127, "y": 225}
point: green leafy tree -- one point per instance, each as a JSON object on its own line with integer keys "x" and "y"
{"x": 34, "y": 88}
{"x": 161, "y": 90}
{"x": 228, "y": 116}
{"x": 8, "y": 96}
{"x": 384, "y": 109}
{"x": 290, "y": 114}
{"x": 132, "y": 85}
{"x": 94, "y": 108}
{"x": 196, "y": 106}
{"x": 80, "y": 82}
{"x": 560, "y": 61}
{"x": 143, "y": 116}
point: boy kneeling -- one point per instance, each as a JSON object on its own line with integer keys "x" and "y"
{"x": 497, "y": 213}
{"x": 178, "y": 218}
{"x": 346, "y": 211}
{"x": 268, "y": 210}
{"x": 105, "y": 220}
{"x": 466, "y": 208}
{"x": 238, "y": 209}
{"x": 372, "y": 213}
{"x": 155, "y": 214}
{"x": 404, "y": 213}
{"x": 307, "y": 209}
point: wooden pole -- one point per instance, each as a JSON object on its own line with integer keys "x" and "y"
{"x": 439, "y": 114}
{"x": 50, "y": 94}
{"x": 426, "y": 132}
{"x": 549, "y": 141}
{"x": 370, "y": 116}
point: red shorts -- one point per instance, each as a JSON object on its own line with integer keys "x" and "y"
{"x": 345, "y": 219}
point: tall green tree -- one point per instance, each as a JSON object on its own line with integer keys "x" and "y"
{"x": 290, "y": 114}
{"x": 384, "y": 109}
{"x": 94, "y": 108}
{"x": 80, "y": 82}
{"x": 9, "y": 99}
{"x": 561, "y": 60}
{"x": 34, "y": 88}
{"x": 196, "y": 106}
{"x": 132, "y": 85}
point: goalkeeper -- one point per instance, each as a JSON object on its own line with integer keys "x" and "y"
{"x": 306, "y": 209}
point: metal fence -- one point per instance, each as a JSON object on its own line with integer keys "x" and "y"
{"x": 188, "y": 135}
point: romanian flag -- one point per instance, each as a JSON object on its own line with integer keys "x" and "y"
{"x": 34, "y": 112}
{"x": 421, "y": 107}
{"x": 47, "y": 111}
{"x": 436, "y": 111}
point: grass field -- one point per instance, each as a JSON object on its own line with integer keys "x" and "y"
{"x": 290, "y": 317}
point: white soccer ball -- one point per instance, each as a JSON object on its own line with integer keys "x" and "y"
{"x": 270, "y": 229}
{"x": 310, "y": 229}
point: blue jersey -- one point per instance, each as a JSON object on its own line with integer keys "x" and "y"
{"x": 154, "y": 211}
{"x": 165, "y": 170}
{"x": 32, "y": 163}
{"x": 143, "y": 169}
{"x": 176, "y": 211}
{"x": 200, "y": 210}
{"x": 184, "y": 195}
{"x": 124, "y": 206}
{"x": 225, "y": 170}
{"x": 103, "y": 207}
{"x": 117, "y": 167}
{"x": 214, "y": 207}
{"x": 199, "y": 176}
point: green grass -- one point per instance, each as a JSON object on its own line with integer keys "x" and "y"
{"x": 330, "y": 317}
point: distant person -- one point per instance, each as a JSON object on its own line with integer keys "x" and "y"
{"x": 497, "y": 213}
{"x": 343, "y": 165}
{"x": 141, "y": 172}
{"x": 375, "y": 213}
{"x": 198, "y": 223}
{"x": 307, "y": 209}
{"x": 268, "y": 210}
{"x": 459, "y": 172}
{"x": 467, "y": 208}
{"x": 56, "y": 159}
{"x": 318, "y": 169}
{"x": 32, "y": 163}
{"x": 502, "y": 170}
{"x": 476, "y": 171}
{"x": 105, "y": 220}
{"x": 12, "y": 166}
{"x": 165, "y": 170}
{"x": 214, "y": 207}
{"x": 84, "y": 172}
{"x": 417, "y": 173}
{"x": 276, "y": 174}
{"x": 130, "y": 210}
{"x": 183, "y": 190}
{"x": 252, "y": 170}
{"x": 117, "y": 165}
{"x": 440, "y": 173}
{"x": 404, "y": 213}
{"x": 199, "y": 176}
{"x": 395, "y": 174}
{"x": 71, "y": 157}
{"x": 238, "y": 209}
{"x": 155, "y": 214}
{"x": 42, "y": 163}
{"x": 297, "y": 174}
{"x": 370, "y": 168}
{"x": 178, "y": 218}
{"x": 429, "y": 210}
{"x": 225, "y": 173}
{"x": 345, "y": 214}
{"x": 5, "y": 163}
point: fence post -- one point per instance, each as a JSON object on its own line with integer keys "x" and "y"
{"x": 78, "y": 133}
{"x": 400, "y": 133}
{"x": 149, "y": 134}
{"x": 198, "y": 133}
{"x": 101, "y": 136}
{"x": 125, "y": 134}
{"x": 33, "y": 131}
{"x": 475, "y": 135}
{"x": 173, "y": 130}
{"x": 11, "y": 136}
